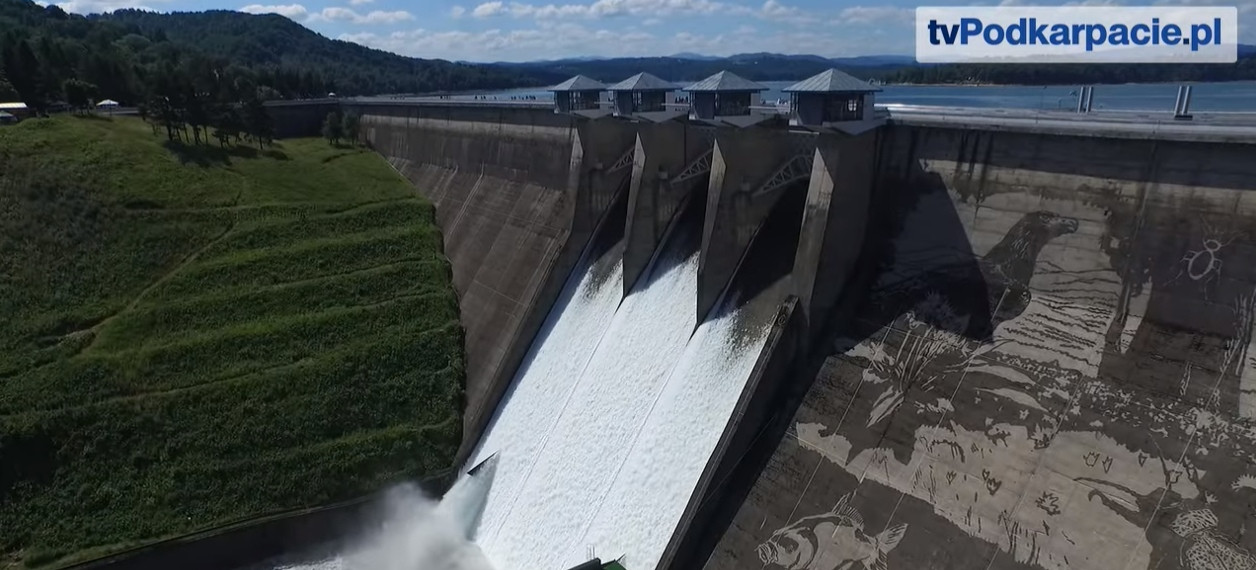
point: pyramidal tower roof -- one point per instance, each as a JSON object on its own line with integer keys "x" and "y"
{"x": 642, "y": 82}
{"x": 831, "y": 81}
{"x": 579, "y": 83}
{"x": 726, "y": 81}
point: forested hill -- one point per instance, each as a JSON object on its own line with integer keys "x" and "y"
{"x": 273, "y": 40}
{"x": 49, "y": 55}
{"x": 123, "y": 55}
{"x": 778, "y": 67}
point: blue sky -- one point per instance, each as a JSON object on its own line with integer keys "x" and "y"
{"x": 508, "y": 30}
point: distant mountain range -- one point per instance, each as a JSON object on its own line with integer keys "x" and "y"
{"x": 672, "y": 64}
{"x": 682, "y": 67}
{"x": 857, "y": 61}
{"x": 691, "y": 66}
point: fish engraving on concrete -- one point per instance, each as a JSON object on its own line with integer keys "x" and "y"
{"x": 834, "y": 540}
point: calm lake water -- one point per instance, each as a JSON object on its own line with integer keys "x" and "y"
{"x": 1206, "y": 97}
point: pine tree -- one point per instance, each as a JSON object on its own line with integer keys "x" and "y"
{"x": 350, "y": 128}
{"x": 333, "y": 128}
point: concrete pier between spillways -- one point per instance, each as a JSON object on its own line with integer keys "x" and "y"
{"x": 672, "y": 161}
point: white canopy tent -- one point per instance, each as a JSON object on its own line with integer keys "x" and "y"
{"x": 107, "y": 103}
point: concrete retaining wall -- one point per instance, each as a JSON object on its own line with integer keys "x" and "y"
{"x": 299, "y": 118}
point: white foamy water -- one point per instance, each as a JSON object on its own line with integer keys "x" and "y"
{"x": 531, "y": 407}
{"x": 653, "y": 485}
{"x": 600, "y": 441}
{"x": 621, "y": 455}
{"x": 597, "y": 424}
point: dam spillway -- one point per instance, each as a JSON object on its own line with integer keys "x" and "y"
{"x": 1009, "y": 345}
{"x": 604, "y": 460}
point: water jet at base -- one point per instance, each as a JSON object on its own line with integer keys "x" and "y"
{"x": 419, "y": 533}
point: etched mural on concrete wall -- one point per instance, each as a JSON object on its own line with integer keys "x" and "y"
{"x": 829, "y": 541}
{"x": 1067, "y": 382}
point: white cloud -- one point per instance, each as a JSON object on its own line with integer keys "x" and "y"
{"x": 338, "y": 14}
{"x": 777, "y": 12}
{"x": 292, "y": 11}
{"x": 385, "y": 17}
{"x": 488, "y": 9}
{"x": 876, "y": 14}
{"x": 650, "y": 10}
{"x": 334, "y": 14}
{"x": 550, "y": 40}
{"x": 101, "y": 6}
{"x": 457, "y": 12}
{"x": 598, "y": 9}
{"x": 359, "y": 2}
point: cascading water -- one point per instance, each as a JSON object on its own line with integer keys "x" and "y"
{"x": 611, "y": 455}
{"x": 602, "y": 437}
{"x": 653, "y": 484}
{"x": 596, "y": 425}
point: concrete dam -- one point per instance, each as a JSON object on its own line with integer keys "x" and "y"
{"x": 930, "y": 345}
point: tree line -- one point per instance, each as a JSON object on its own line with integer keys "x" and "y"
{"x": 209, "y": 103}
{"x": 48, "y": 56}
{"x": 337, "y": 126}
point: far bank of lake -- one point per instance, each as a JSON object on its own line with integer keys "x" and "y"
{"x": 1238, "y": 96}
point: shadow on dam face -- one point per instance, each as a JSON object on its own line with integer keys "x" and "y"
{"x": 909, "y": 194}
{"x": 606, "y": 247}
{"x": 679, "y": 242}
{"x": 1105, "y": 423}
{"x": 761, "y": 280}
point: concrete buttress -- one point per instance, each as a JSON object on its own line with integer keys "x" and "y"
{"x": 606, "y": 163}
{"x": 672, "y": 160}
{"x": 749, "y": 170}
{"x": 834, "y": 220}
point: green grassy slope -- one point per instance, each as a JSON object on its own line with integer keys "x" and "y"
{"x": 192, "y": 337}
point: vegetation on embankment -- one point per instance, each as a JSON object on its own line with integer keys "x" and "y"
{"x": 196, "y": 335}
